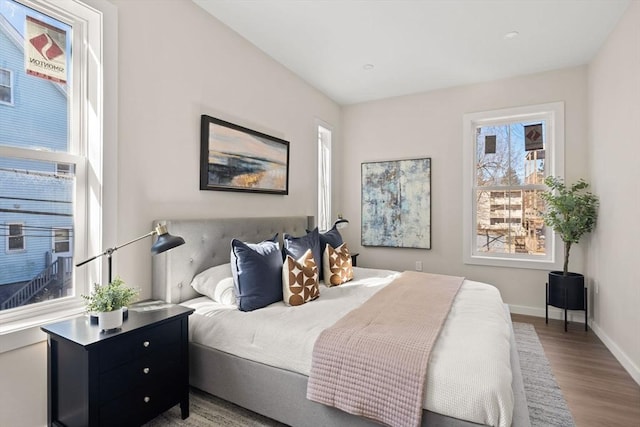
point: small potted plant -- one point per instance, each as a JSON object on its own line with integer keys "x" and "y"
{"x": 571, "y": 211}
{"x": 107, "y": 302}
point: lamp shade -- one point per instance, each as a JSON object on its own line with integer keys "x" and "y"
{"x": 165, "y": 241}
{"x": 341, "y": 223}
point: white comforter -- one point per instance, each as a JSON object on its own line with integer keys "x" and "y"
{"x": 469, "y": 374}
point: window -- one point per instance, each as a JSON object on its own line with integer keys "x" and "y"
{"x": 324, "y": 178}
{"x": 50, "y": 168}
{"x": 61, "y": 240}
{"x": 6, "y": 86}
{"x": 507, "y": 155}
{"x": 15, "y": 237}
{"x": 63, "y": 169}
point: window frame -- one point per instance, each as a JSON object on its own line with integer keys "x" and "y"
{"x": 10, "y": 103}
{"x": 94, "y": 24}
{"x": 553, "y": 114}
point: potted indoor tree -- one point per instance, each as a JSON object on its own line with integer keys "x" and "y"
{"x": 571, "y": 211}
{"x": 108, "y": 301}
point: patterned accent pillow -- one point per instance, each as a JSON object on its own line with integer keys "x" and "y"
{"x": 297, "y": 246}
{"x": 300, "y": 279}
{"x": 337, "y": 265}
{"x": 330, "y": 237}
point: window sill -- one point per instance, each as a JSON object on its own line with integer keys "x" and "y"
{"x": 512, "y": 262}
{"x": 25, "y": 332}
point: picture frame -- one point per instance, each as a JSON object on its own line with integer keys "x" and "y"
{"x": 396, "y": 203}
{"x": 235, "y": 158}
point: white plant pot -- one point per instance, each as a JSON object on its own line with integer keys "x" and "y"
{"x": 110, "y": 319}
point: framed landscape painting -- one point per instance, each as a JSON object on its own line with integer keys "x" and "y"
{"x": 234, "y": 158}
{"x": 396, "y": 203}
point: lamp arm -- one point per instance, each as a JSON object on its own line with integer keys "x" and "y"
{"x": 112, "y": 250}
{"x": 109, "y": 251}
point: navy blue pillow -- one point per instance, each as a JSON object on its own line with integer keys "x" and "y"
{"x": 297, "y": 246}
{"x": 331, "y": 237}
{"x": 257, "y": 273}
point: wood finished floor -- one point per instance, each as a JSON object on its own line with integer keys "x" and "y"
{"x": 597, "y": 388}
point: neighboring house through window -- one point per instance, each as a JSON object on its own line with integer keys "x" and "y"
{"x": 507, "y": 155}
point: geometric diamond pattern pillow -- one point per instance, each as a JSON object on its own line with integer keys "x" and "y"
{"x": 300, "y": 279}
{"x": 337, "y": 265}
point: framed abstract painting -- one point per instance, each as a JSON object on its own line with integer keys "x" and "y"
{"x": 234, "y": 158}
{"x": 396, "y": 203}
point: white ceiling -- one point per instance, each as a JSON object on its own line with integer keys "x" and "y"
{"x": 418, "y": 45}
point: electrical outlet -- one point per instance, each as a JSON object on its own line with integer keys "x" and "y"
{"x": 418, "y": 265}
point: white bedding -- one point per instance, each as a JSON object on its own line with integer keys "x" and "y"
{"x": 469, "y": 374}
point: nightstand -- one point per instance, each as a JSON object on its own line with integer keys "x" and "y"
{"x": 120, "y": 378}
{"x": 354, "y": 259}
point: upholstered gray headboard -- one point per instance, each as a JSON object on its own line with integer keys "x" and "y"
{"x": 208, "y": 243}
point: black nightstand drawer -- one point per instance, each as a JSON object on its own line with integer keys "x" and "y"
{"x": 140, "y": 405}
{"x": 139, "y": 344}
{"x": 139, "y": 372}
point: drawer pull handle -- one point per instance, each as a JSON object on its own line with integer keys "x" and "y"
{"x": 147, "y": 399}
{"x": 145, "y": 370}
{"x": 146, "y": 343}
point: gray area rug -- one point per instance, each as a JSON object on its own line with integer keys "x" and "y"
{"x": 546, "y": 403}
{"x": 547, "y": 406}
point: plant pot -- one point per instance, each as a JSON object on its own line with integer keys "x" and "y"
{"x": 566, "y": 291}
{"x": 108, "y": 320}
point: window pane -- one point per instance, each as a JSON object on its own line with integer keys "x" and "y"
{"x": 5, "y": 78}
{"x": 5, "y": 94}
{"x": 511, "y": 154}
{"x": 324, "y": 178}
{"x": 509, "y": 222}
{"x": 34, "y": 195}
{"x": 39, "y": 116}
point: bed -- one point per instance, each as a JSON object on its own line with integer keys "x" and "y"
{"x": 277, "y": 386}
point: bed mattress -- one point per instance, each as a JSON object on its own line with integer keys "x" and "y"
{"x": 469, "y": 375}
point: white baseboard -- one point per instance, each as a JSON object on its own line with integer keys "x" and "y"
{"x": 625, "y": 361}
{"x": 578, "y": 317}
{"x": 554, "y": 313}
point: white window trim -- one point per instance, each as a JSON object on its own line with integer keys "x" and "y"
{"x": 10, "y": 87}
{"x": 99, "y": 125}
{"x": 554, "y": 114}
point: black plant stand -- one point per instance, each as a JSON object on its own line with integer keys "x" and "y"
{"x": 568, "y": 294}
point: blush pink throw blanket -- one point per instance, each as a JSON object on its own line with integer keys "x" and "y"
{"x": 373, "y": 361}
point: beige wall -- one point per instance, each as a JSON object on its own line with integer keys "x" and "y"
{"x": 23, "y": 386}
{"x": 170, "y": 72}
{"x": 430, "y": 125}
{"x": 614, "y": 150}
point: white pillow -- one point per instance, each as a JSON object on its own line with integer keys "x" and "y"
{"x": 216, "y": 283}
